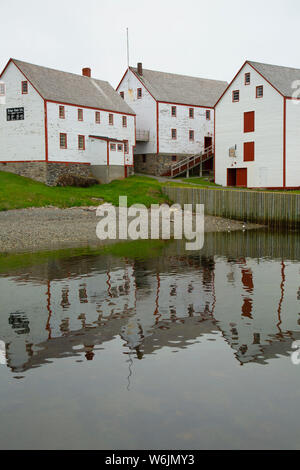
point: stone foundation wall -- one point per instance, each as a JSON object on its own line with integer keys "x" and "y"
{"x": 45, "y": 172}
{"x": 34, "y": 170}
{"x": 55, "y": 170}
{"x": 155, "y": 164}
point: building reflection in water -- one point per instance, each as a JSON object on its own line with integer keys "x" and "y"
{"x": 72, "y": 308}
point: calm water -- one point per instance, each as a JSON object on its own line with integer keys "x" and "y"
{"x": 166, "y": 349}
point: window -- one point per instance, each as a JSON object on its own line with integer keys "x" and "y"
{"x": 208, "y": 115}
{"x": 174, "y": 158}
{"x": 81, "y": 142}
{"x": 249, "y": 121}
{"x": 259, "y": 91}
{"x": 144, "y": 158}
{"x": 191, "y": 113}
{"x": 126, "y": 146}
{"x": 124, "y": 121}
{"x": 173, "y": 111}
{"x": 236, "y": 96}
{"x": 113, "y": 147}
{"x": 191, "y": 135}
{"x": 2, "y": 89}
{"x": 174, "y": 134}
{"x": 249, "y": 151}
{"x": 120, "y": 148}
{"x": 97, "y": 117}
{"x": 139, "y": 93}
{"x": 24, "y": 88}
{"x": 80, "y": 114}
{"x": 62, "y": 112}
{"x": 247, "y": 78}
{"x": 122, "y": 94}
{"x": 63, "y": 141}
{"x": 111, "y": 119}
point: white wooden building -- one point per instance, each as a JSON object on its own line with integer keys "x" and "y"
{"x": 257, "y": 128}
{"x": 53, "y": 122}
{"x": 174, "y": 115}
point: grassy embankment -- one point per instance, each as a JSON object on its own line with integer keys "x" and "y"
{"x": 17, "y": 192}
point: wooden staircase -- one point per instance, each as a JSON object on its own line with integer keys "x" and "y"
{"x": 189, "y": 162}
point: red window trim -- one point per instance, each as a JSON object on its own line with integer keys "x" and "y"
{"x": 174, "y": 138}
{"x": 122, "y": 94}
{"x": 174, "y": 107}
{"x": 63, "y": 148}
{"x": 246, "y": 74}
{"x": 120, "y": 149}
{"x": 78, "y": 113}
{"x": 124, "y": 121}
{"x": 233, "y": 100}
{"x": 191, "y": 133}
{"x": 252, "y": 144}
{"x": 113, "y": 147}
{"x": 97, "y": 121}
{"x": 126, "y": 146}
{"x": 24, "y": 92}
{"x": 208, "y": 115}
{"x": 193, "y": 113}
{"x": 139, "y": 93}
{"x": 63, "y": 115}
{"x": 260, "y": 86}
{"x": 83, "y": 142}
{"x": 111, "y": 119}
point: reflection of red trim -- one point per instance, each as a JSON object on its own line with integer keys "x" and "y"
{"x": 282, "y": 296}
{"x": 48, "y": 327}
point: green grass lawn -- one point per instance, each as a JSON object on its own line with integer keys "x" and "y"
{"x": 17, "y": 192}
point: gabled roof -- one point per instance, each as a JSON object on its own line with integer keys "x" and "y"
{"x": 64, "y": 87}
{"x": 281, "y": 78}
{"x": 181, "y": 89}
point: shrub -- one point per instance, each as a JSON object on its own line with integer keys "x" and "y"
{"x": 77, "y": 181}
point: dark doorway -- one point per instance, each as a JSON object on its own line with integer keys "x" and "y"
{"x": 231, "y": 177}
{"x": 207, "y": 142}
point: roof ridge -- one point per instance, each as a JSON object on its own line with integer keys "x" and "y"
{"x": 180, "y": 75}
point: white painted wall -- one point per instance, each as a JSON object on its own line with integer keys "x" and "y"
{"x": 183, "y": 123}
{"x": 145, "y": 109}
{"x": 267, "y": 169}
{"x": 21, "y": 140}
{"x": 72, "y": 127}
{"x": 293, "y": 143}
{"x": 97, "y": 151}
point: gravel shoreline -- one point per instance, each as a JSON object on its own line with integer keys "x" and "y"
{"x": 51, "y": 228}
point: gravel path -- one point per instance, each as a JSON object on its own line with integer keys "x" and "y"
{"x": 50, "y": 228}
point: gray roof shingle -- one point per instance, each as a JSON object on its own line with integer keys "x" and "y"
{"x": 182, "y": 89}
{"x": 64, "y": 87}
{"x": 281, "y": 78}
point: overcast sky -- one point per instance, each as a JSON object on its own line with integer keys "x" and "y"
{"x": 209, "y": 39}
